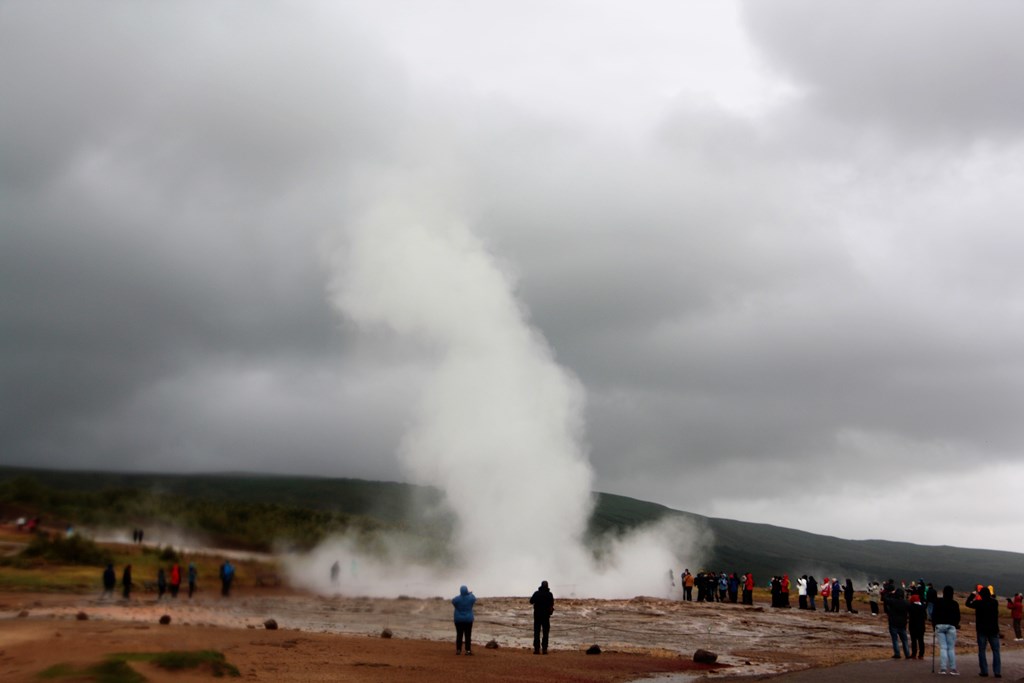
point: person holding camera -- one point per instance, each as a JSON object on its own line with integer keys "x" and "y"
{"x": 463, "y": 615}
{"x": 987, "y": 624}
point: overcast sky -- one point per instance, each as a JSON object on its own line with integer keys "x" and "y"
{"x": 778, "y": 242}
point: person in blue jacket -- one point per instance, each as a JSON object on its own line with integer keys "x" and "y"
{"x": 463, "y": 603}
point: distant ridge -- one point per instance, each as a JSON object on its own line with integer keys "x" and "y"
{"x": 767, "y": 550}
{"x": 737, "y": 546}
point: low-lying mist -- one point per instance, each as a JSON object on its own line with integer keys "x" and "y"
{"x": 499, "y": 427}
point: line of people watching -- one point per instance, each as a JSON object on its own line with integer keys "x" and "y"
{"x": 831, "y": 591}
{"x": 164, "y": 583}
{"x": 717, "y": 586}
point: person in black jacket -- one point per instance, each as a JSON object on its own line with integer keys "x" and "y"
{"x": 897, "y": 608}
{"x": 946, "y": 622}
{"x": 812, "y": 592}
{"x": 917, "y": 615}
{"x": 848, "y": 596}
{"x": 543, "y": 606}
{"x": 109, "y": 581}
{"x": 126, "y": 581}
{"x": 986, "y": 621}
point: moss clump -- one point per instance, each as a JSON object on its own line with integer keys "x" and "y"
{"x": 179, "y": 660}
{"x": 117, "y": 670}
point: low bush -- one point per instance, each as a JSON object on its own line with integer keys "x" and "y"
{"x": 73, "y": 549}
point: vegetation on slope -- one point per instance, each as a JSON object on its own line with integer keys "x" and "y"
{"x": 259, "y": 512}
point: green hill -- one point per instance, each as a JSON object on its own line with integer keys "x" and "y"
{"x": 254, "y": 511}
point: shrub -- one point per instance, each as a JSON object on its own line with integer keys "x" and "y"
{"x": 73, "y": 549}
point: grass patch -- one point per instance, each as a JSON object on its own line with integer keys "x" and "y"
{"x": 179, "y": 660}
{"x": 57, "y": 671}
{"x": 117, "y": 670}
{"x": 49, "y": 579}
{"x": 20, "y": 574}
{"x": 110, "y": 671}
{"x": 74, "y": 549}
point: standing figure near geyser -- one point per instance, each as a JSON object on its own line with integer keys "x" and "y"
{"x": 463, "y": 604}
{"x": 543, "y": 606}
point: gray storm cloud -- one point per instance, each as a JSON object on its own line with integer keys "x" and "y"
{"x": 770, "y": 239}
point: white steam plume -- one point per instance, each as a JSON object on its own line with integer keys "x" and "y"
{"x": 499, "y": 424}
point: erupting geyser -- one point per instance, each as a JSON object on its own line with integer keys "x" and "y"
{"x": 499, "y": 424}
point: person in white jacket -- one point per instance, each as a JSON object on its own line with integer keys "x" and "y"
{"x": 874, "y": 593}
{"x": 801, "y": 590}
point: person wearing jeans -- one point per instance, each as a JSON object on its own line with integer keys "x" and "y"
{"x": 897, "y": 608}
{"x": 987, "y": 622}
{"x": 946, "y": 621}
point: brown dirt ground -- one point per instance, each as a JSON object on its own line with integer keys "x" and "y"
{"x": 338, "y": 638}
{"x": 29, "y": 647}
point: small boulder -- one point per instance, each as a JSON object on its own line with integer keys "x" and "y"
{"x": 82, "y": 616}
{"x": 594, "y": 650}
{"x": 492, "y": 644}
{"x": 386, "y": 633}
{"x": 270, "y": 625}
{"x": 705, "y": 657}
{"x": 23, "y": 613}
{"x": 165, "y": 619}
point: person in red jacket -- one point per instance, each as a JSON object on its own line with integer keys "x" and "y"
{"x": 748, "y": 590}
{"x": 1016, "y": 606}
{"x": 175, "y": 580}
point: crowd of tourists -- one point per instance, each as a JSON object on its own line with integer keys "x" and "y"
{"x": 908, "y": 608}
{"x": 717, "y": 587}
{"x": 168, "y": 581}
